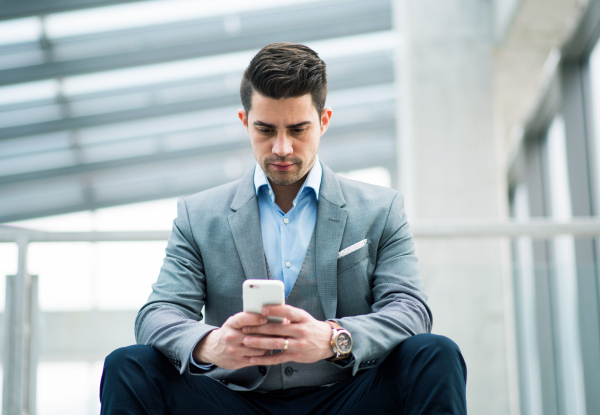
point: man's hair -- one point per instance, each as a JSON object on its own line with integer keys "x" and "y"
{"x": 285, "y": 70}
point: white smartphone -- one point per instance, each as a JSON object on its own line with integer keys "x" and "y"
{"x": 258, "y": 293}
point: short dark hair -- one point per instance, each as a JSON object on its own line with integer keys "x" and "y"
{"x": 285, "y": 70}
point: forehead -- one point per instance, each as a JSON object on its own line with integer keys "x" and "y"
{"x": 284, "y": 110}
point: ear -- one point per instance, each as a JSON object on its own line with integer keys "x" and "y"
{"x": 325, "y": 118}
{"x": 242, "y": 115}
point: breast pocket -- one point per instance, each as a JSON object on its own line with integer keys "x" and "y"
{"x": 353, "y": 258}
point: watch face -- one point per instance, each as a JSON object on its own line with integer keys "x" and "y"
{"x": 344, "y": 343}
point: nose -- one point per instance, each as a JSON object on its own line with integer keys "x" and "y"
{"x": 282, "y": 145}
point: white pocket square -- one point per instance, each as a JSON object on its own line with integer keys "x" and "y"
{"x": 352, "y": 248}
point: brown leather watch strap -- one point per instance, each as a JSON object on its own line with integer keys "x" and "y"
{"x": 335, "y": 326}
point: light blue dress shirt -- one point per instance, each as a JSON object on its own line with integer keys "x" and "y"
{"x": 286, "y": 236}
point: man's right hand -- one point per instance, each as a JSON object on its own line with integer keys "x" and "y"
{"x": 224, "y": 347}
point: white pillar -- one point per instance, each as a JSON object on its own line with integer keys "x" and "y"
{"x": 449, "y": 169}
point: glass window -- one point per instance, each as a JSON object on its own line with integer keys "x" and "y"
{"x": 595, "y": 107}
{"x": 595, "y": 75}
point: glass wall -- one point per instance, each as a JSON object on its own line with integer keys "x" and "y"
{"x": 556, "y": 281}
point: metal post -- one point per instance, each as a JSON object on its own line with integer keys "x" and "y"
{"x": 20, "y": 340}
{"x": 34, "y": 345}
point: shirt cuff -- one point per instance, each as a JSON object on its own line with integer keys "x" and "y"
{"x": 205, "y": 367}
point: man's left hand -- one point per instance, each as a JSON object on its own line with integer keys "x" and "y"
{"x": 308, "y": 339}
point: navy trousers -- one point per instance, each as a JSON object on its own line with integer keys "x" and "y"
{"x": 425, "y": 374}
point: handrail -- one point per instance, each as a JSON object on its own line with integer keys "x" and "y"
{"x": 87, "y": 236}
{"x": 486, "y": 228}
{"x": 438, "y": 228}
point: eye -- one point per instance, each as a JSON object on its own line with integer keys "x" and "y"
{"x": 298, "y": 130}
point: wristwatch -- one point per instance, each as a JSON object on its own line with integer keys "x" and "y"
{"x": 341, "y": 342}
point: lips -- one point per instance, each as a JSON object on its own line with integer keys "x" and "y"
{"x": 282, "y": 166}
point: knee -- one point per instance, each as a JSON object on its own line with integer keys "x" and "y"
{"x": 439, "y": 352}
{"x": 431, "y": 343}
{"x": 132, "y": 368}
{"x": 126, "y": 356}
{"x": 432, "y": 348}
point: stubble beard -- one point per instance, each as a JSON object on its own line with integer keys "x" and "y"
{"x": 284, "y": 178}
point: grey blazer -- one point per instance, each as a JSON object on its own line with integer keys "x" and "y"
{"x": 374, "y": 292}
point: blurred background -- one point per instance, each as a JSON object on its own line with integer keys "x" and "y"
{"x": 485, "y": 114}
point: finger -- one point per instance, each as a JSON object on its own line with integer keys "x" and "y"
{"x": 239, "y": 320}
{"x": 267, "y": 343}
{"x": 248, "y": 361}
{"x": 272, "y": 329}
{"x": 274, "y": 359}
{"x": 250, "y": 351}
{"x": 293, "y": 314}
{"x": 235, "y": 352}
{"x": 295, "y": 330}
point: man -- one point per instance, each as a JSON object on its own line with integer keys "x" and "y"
{"x": 355, "y": 333}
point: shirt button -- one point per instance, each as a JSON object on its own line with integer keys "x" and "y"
{"x": 289, "y": 371}
{"x": 262, "y": 370}
{"x": 288, "y": 264}
{"x": 286, "y": 220}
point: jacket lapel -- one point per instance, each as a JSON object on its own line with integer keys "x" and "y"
{"x": 331, "y": 222}
{"x": 244, "y": 223}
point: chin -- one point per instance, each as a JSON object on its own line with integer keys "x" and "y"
{"x": 282, "y": 180}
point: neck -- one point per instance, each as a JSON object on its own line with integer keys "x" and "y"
{"x": 285, "y": 195}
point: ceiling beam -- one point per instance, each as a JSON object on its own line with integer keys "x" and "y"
{"x": 14, "y": 9}
{"x": 300, "y": 23}
{"x": 152, "y": 111}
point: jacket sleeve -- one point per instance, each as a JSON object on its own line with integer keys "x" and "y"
{"x": 399, "y": 308}
{"x": 170, "y": 319}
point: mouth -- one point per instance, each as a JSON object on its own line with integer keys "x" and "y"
{"x": 282, "y": 166}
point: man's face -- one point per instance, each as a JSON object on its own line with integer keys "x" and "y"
{"x": 285, "y": 135}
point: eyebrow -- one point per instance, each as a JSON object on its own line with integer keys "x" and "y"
{"x": 264, "y": 124}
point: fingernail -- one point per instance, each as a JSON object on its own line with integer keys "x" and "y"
{"x": 263, "y": 320}
{"x": 265, "y": 310}
{"x": 253, "y": 360}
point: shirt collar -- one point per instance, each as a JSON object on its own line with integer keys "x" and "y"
{"x": 313, "y": 180}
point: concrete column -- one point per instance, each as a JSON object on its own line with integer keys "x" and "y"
{"x": 450, "y": 168}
